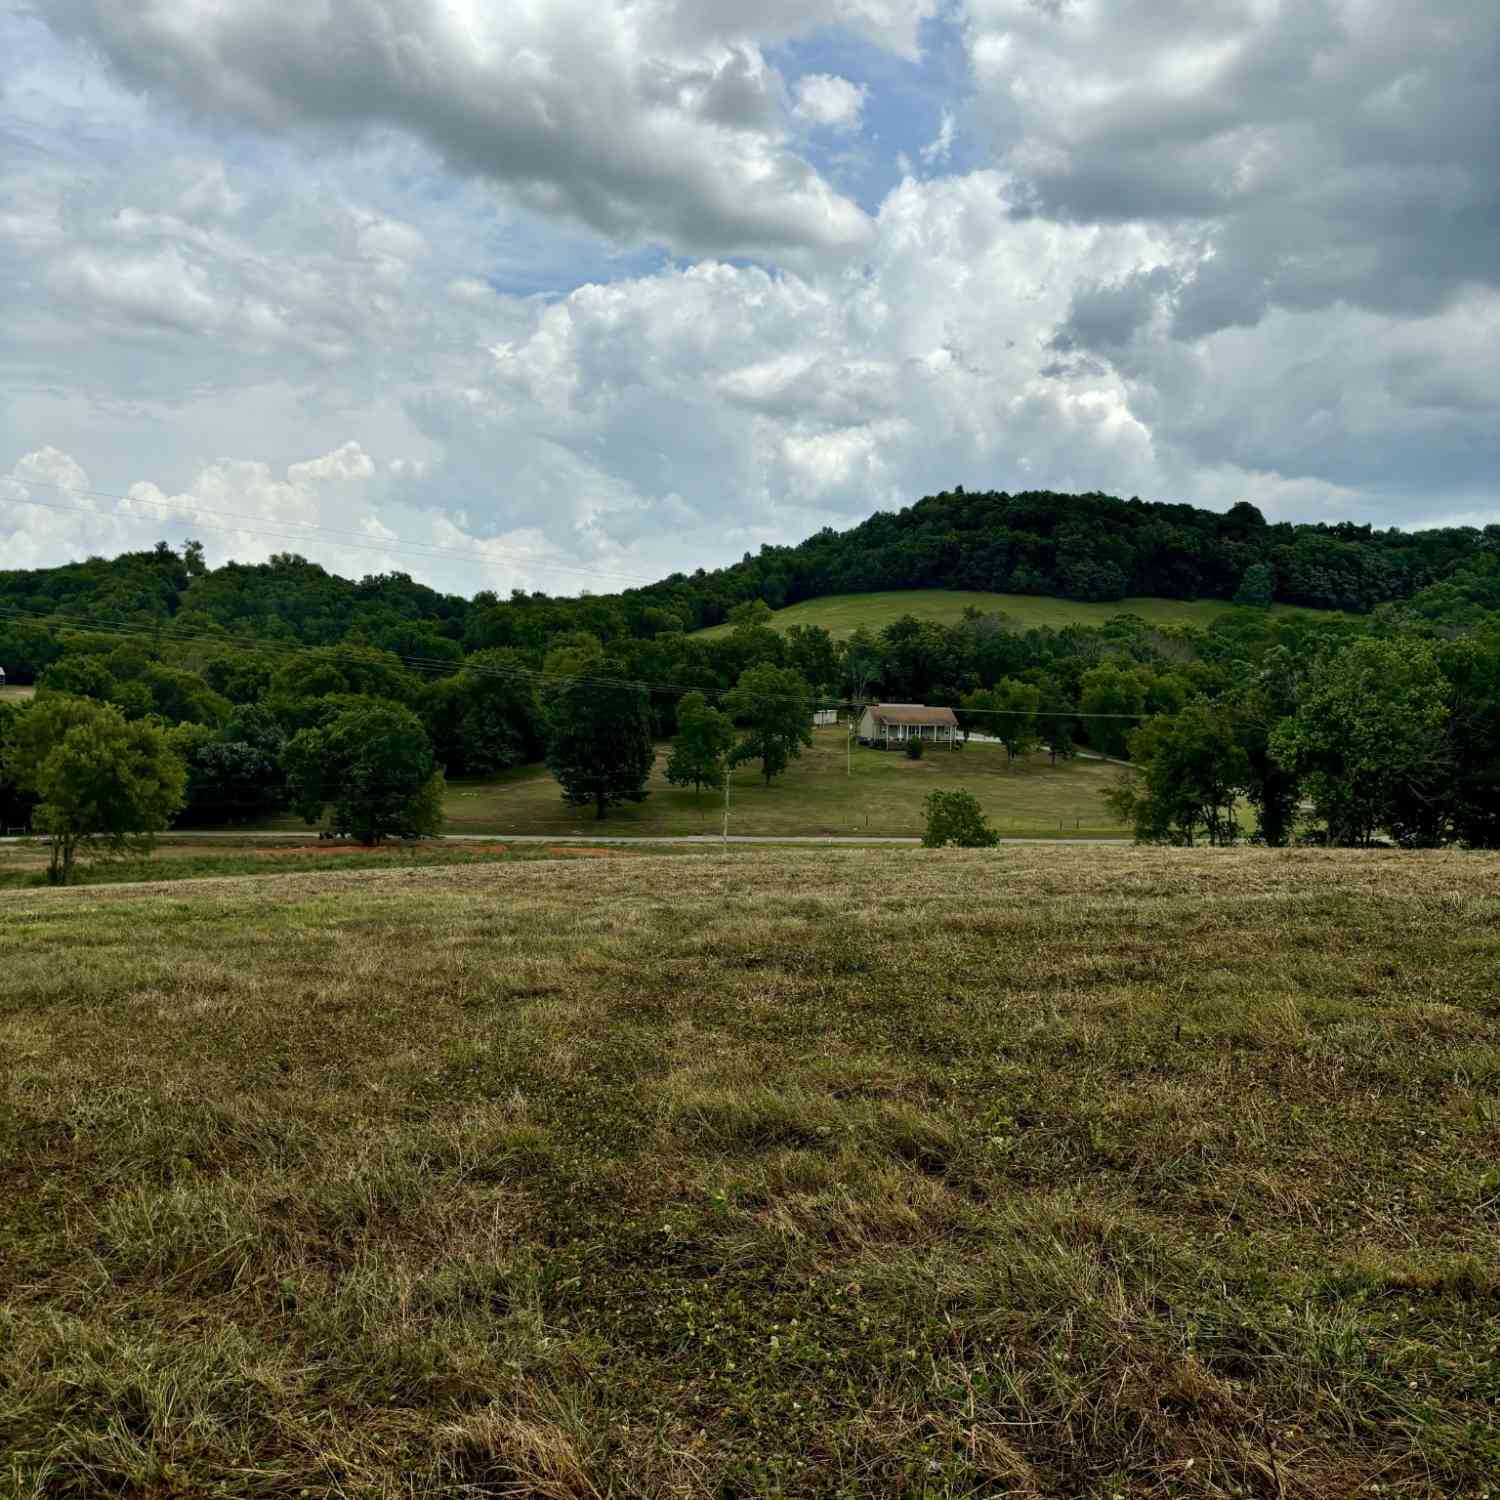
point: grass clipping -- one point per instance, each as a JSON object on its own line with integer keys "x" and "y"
{"x": 1045, "y": 1172}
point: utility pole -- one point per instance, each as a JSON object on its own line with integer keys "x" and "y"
{"x": 726, "y": 802}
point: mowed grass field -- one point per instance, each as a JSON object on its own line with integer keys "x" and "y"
{"x": 816, "y": 796}
{"x": 24, "y": 865}
{"x": 841, "y": 614}
{"x": 16, "y": 694}
{"x": 1038, "y": 1172}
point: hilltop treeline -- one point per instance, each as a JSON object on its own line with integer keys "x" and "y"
{"x": 1086, "y": 547}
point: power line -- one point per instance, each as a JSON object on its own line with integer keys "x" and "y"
{"x": 286, "y": 649}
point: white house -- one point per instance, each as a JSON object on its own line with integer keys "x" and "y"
{"x": 887, "y": 724}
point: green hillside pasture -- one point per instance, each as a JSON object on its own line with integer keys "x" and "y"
{"x": 15, "y": 694}
{"x": 841, "y": 614}
{"x": 815, "y": 796}
{"x": 828, "y": 1173}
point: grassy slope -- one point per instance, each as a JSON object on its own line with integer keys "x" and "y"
{"x": 818, "y": 1173}
{"x": 841, "y": 614}
{"x": 15, "y": 694}
{"x": 815, "y": 796}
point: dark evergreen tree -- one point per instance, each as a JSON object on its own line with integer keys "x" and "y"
{"x": 599, "y": 739}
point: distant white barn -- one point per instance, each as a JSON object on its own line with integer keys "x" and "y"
{"x": 888, "y": 724}
{"x": 823, "y": 717}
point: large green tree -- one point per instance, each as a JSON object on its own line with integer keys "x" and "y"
{"x": 369, "y": 772}
{"x": 976, "y": 712}
{"x": 1368, "y": 742}
{"x": 234, "y": 773}
{"x": 1111, "y": 701}
{"x": 700, "y": 752}
{"x": 773, "y": 706}
{"x": 599, "y": 739}
{"x": 861, "y": 663}
{"x": 1265, "y": 697}
{"x": 102, "y": 784}
{"x": 1015, "y": 725}
{"x": 1190, "y": 773}
{"x": 486, "y": 718}
{"x": 1472, "y": 668}
{"x": 1056, "y": 726}
{"x": 810, "y": 650}
{"x": 15, "y": 805}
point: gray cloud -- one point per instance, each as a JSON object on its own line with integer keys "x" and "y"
{"x": 1322, "y": 152}
{"x": 646, "y": 123}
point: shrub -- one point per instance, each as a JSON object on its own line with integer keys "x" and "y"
{"x": 913, "y": 749}
{"x": 955, "y": 820}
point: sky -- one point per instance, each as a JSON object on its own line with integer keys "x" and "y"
{"x": 571, "y": 294}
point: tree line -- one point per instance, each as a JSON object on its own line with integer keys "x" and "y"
{"x": 1088, "y": 547}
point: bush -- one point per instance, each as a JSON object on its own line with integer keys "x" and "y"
{"x": 913, "y": 749}
{"x": 955, "y": 820}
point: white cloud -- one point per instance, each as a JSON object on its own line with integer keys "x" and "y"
{"x": 348, "y": 462}
{"x": 829, "y": 101}
{"x": 655, "y": 121}
{"x": 51, "y": 468}
{"x": 940, "y": 148}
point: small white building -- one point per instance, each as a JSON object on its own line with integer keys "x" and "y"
{"x": 823, "y": 717}
{"x": 888, "y": 724}
{"x": 2, "y": 676}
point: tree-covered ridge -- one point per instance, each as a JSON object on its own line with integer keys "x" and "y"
{"x": 1097, "y": 547}
{"x": 1085, "y": 547}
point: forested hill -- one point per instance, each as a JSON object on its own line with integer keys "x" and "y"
{"x": 1086, "y": 547}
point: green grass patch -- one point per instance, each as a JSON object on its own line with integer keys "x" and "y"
{"x": 830, "y": 1173}
{"x": 842, "y": 614}
{"x": 826, "y": 792}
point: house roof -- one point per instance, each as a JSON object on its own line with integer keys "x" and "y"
{"x": 913, "y": 713}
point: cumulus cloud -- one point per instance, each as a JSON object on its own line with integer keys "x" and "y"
{"x": 1310, "y": 154}
{"x": 47, "y": 512}
{"x": 348, "y": 462}
{"x": 827, "y": 100}
{"x": 652, "y": 121}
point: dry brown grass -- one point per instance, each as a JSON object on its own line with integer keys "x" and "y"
{"x": 1041, "y": 1172}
